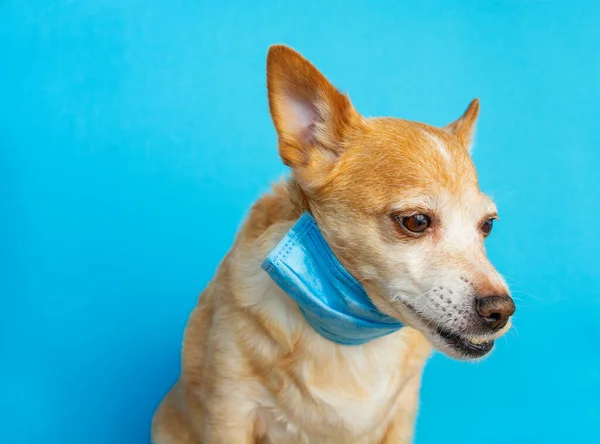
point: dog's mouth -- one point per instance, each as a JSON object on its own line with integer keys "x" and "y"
{"x": 468, "y": 347}
{"x": 455, "y": 344}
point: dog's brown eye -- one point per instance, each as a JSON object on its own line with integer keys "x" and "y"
{"x": 417, "y": 223}
{"x": 487, "y": 226}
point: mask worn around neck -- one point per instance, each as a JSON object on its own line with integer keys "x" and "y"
{"x": 332, "y": 301}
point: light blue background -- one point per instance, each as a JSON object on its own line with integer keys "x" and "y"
{"x": 134, "y": 135}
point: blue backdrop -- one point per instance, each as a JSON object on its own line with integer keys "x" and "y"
{"x": 134, "y": 135}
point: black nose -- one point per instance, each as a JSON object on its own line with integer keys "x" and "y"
{"x": 495, "y": 310}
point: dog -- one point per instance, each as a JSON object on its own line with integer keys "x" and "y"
{"x": 398, "y": 205}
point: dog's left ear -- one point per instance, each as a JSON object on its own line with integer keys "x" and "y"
{"x": 464, "y": 128}
{"x": 311, "y": 116}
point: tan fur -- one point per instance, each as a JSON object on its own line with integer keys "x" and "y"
{"x": 253, "y": 371}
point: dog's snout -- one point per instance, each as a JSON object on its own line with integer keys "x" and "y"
{"x": 495, "y": 310}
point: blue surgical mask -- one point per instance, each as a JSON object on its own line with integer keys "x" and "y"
{"x": 333, "y": 302}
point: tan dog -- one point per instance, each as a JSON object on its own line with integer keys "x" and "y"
{"x": 399, "y": 204}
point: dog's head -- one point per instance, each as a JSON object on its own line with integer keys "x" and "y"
{"x": 399, "y": 203}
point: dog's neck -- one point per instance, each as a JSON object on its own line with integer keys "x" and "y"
{"x": 269, "y": 220}
{"x": 332, "y": 301}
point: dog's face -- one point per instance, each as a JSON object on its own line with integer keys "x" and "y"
{"x": 399, "y": 203}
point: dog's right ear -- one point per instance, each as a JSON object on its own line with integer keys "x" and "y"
{"x": 311, "y": 116}
{"x": 464, "y": 128}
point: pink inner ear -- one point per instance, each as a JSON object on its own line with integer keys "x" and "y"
{"x": 298, "y": 119}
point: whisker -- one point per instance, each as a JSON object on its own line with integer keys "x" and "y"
{"x": 527, "y": 294}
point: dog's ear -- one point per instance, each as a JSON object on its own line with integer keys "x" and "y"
{"x": 464, "y": 128}
{"x": 311, "y": 116}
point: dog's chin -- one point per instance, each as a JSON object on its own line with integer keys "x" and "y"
{"x": 462, "y": 346}
{"x": 459, "y": 346}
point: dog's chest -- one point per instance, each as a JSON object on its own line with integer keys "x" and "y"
{"x": 331, "y": 419}
{"x": 347, "y": 398}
